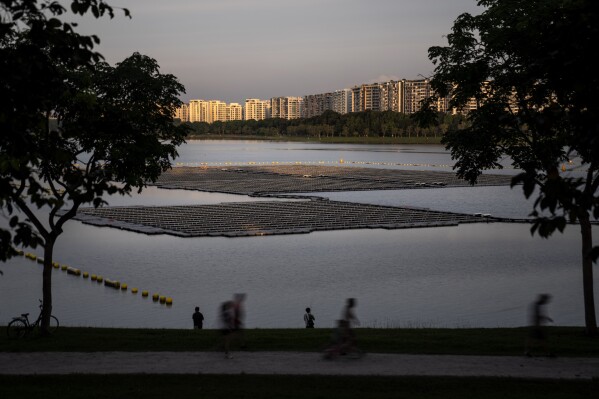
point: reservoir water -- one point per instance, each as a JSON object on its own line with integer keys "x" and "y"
{"x": 476, "y": 275}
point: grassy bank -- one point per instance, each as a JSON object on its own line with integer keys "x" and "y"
{"x": 564, "y": 341}
{"x": 324, "y": 140}
{"x": 260, "y": 386}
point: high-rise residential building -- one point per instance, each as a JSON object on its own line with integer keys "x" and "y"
{"x": 256, "y": 109}
{"x": 286, "y": 107}
{"x": 234, "y": 112}
{"x": 317, "y": 104}
{"x": 218, "y": 111}
{"x": 414, "y": 92}
{"x": 341, "y": 101}
{"x": 182, "y": 113}
{"x": 199, "y": 111}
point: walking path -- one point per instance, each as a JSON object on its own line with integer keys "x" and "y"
{"x": 295, "y": 363}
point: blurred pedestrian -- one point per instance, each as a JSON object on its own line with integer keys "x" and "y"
{"x": 309, "y": 319}
{"x": 537, "y": 337}
{"x": 198, "y": 319}
{"x": 238, "y": 318}
{"x": 226, "y": 326}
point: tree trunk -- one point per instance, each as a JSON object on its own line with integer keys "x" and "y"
{"x": 47, "y": 287}
{"x": 587, "y": 274}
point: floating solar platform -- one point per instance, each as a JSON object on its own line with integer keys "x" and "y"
{"x": 267, "y": 218}
{"x": 268, "y": 180}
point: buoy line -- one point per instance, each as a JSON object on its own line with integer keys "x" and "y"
{"x": 117, "y": 285}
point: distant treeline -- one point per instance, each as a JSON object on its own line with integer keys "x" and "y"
{"x": 331, "y": 124}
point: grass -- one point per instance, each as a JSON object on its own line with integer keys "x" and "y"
{"x": 565, "y": 341}
{"x": 261, "y": 386}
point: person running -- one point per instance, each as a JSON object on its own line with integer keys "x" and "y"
{"x": 309, "y": 319}
{"x": 198, "y": 319}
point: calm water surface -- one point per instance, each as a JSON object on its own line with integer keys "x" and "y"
{"x": 481, "y": 275}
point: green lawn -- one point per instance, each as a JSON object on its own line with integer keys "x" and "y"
{"x": 565, "y": 341}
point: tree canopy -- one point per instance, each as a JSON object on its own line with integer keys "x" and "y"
{"x": 113, "y": 133}
{"x": 526, "y": 65}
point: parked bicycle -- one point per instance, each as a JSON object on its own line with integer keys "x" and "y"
{"x": 20, "y": 326}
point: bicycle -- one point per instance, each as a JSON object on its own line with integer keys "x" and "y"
{"x": 20, "y": 326}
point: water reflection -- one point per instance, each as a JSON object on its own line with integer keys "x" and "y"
{"x": 465, "y": 276}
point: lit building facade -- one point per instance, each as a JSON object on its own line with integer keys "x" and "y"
{"x": 182, "y": 113}
{"x": 286, "y": 107}
{"x": 256, "y": 109}
{"x": 234, "y": 112}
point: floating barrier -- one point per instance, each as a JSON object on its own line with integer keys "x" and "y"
{"x": 112, "y": 284}
{"x": 97, "y": 278}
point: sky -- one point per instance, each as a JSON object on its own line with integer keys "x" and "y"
{"x": 231, "y": 50}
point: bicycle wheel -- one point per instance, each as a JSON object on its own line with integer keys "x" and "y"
{"x": 53, "y": 324}
{"x": 16, "y": 329}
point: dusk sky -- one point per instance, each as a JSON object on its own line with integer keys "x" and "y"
{"x": 231, "y": 50}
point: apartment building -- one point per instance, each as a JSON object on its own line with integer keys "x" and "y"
{"x": 317, "y": 104}
{"x": 182, "y": 113}
{"x": 199, "y": 111}
{"x": 341, "y": 101}
{"x": 234, "y": 112}
{"x": 286, "y": 107}
{"x": 256, "y": 109}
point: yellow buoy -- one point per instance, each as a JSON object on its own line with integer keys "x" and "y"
{"x": 100, "y": 279}
{"x": 162, "y": 299}
{"x": 124, "y": 287}
{"x": 94, "y": 277}
{"x": 144, "y": 293}
{"x": 73, "y": 271}
{"x": 169, "y": 301}
{"x": 155, "y": 297}
{"x": 134, "y": 290}
{"x": 55, "y": 265}
{"x": 112, "y": 283}
{"x": 64, "y": 268}
{"x": 85, "y": 274}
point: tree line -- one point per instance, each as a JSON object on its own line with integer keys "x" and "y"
{"x": 332, "y": 124}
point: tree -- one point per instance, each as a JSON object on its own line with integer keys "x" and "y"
{"x": 114, "y": 129}
{"x": 525, "y": 63}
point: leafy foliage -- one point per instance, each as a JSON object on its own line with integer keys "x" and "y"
{"x": 525, "y": 63}
{"x": 113, "y": 132}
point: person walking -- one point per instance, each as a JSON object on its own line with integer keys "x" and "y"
{"x": 198, "y": 319}
{"x": 238, "y": 318}
{"x": 226, "y": 326}
{"x": 537, "y": 337}
{"x": 309, "y": 319}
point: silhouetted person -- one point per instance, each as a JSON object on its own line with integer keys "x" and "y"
{"x": 198, "y": 319}
{"x": 538, "y": 335}
{"x": 348, "y": 321}
{"x": 238, "y": 316}
{"x": 309, "y": 319}
{"x": 226, "y": 326}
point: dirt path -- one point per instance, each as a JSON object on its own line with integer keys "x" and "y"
{"x": 295, "y": 363}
